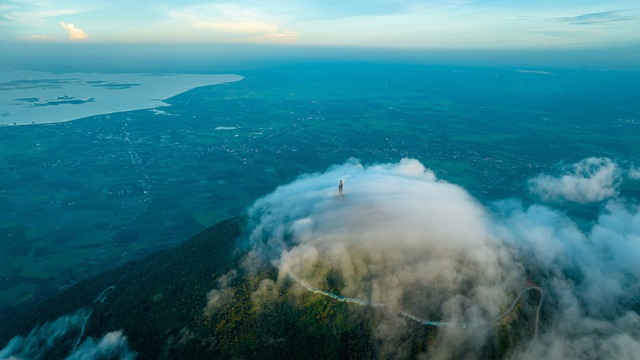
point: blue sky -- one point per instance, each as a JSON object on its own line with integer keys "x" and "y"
{"x": 435, "y": 24}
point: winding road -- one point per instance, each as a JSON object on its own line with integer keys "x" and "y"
{"x": 430, "y": 322}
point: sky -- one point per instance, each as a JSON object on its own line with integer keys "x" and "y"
{"x": 431, "y": 24}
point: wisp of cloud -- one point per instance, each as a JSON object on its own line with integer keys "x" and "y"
{"x": 64, "y": 337}
{"x": 56, "y": 339}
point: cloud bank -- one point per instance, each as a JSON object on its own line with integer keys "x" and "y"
{"x": 74, "y": 32}
{"x": 236, "y": 23}
{"x": 398, "y": 235}
{"x": 592, "y": 278}
{"x": 590, "y": 180}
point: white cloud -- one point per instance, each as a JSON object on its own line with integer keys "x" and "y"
{"x": 634, "y": 173}
{"x": 250, "y": 27}
{"x": 591, "y": 276}
{"x": 233, "y": 22}
{"x": 399, "y": 236}
{"x": 38, "y": 37}
{"x": 280, "y": 37}
{"x": 395, "y": 234}
{"x": 74, "y": 32}
{"x": 590, "y": 180}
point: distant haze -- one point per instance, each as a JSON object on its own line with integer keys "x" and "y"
{"x": 217, "y": 58}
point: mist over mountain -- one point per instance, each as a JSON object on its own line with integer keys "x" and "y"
{"x": 396, "y": 240}
{"x": 303, "y": 179}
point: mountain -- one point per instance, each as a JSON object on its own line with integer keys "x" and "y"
{"x": 201, "y": 300}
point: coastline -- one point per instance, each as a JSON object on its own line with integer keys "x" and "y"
{"x": 31, "y": 97}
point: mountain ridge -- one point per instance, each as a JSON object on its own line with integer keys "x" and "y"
{"x": 140, "y": 287}
{"x": 201, "y": 300}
